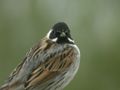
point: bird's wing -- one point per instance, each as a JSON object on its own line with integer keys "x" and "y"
{"x": 51, "y": 68}
{"x": 53, "y": 63}
{"x": 16, "y": 71}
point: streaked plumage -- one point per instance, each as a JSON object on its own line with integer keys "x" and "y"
{"x": 49, "y": 65}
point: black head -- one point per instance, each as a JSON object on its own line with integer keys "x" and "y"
{"x": 60, "y": 33}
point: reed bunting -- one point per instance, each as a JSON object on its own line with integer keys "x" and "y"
{"x": 49, "y": 65}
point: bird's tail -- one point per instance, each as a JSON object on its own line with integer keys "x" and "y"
{"x": 4, "y": 87}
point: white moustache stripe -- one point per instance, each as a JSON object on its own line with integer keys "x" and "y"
{"x": 54, "y": 40}
{"x": 48, "y": 35}
{"x": 71, "y": 40}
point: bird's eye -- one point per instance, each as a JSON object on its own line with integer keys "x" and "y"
{"x": 57, "y": 33}
{"x": 67, "y": 31}
{"x": 52, "y": 35}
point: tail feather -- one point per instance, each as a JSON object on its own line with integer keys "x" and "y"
{"x": 4, "y": 87}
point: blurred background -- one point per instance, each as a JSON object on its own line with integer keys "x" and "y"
{"x": 95, "y": 26}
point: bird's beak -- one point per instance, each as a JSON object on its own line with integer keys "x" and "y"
{"x": 62, "y": 34}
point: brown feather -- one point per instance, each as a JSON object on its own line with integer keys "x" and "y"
{"x": 51, "y": 68}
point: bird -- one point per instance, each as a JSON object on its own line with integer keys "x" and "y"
{"x": 51, "y": 64}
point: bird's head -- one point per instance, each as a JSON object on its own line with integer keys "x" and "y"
{"x": 60, "y": 33}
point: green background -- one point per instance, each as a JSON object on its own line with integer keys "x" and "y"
{"x": 95, "y": 26}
